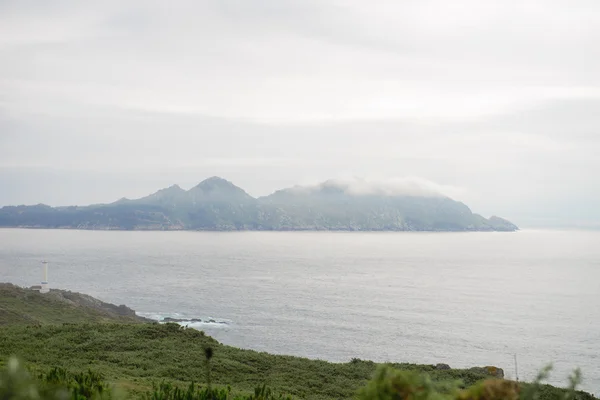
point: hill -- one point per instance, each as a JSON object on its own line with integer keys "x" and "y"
{"x": 76, "y": 333}
{"x": 217, "y": 204}
{"x": 335, "y": 205}
{"x": 20, "y": 306}
{"x": 133, "y": 356}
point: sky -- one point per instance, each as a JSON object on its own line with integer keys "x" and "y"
{"x": 495, "y": 102}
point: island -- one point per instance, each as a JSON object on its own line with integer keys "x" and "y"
{"x": 216, "y": 204}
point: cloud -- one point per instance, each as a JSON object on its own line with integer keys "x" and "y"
{"x": 293, "y": 61}
{"x": 495, "y": 102}
{"x": 392, "y": 187}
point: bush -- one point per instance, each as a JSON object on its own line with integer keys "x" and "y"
{"x": 392, "y": 384}
{"x": 389, "y": 382}
{"x": 167, "y": 391}
{"x": 16, "y": 383}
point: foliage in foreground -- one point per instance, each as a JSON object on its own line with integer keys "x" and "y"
{"x": 134, "y": 357}
{"x": 16, "y": 383}
{"x": 167, "y": 391}
{"x": 391, "y": 384}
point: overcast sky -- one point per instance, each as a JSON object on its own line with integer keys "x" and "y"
{"x": 496, "y": 102}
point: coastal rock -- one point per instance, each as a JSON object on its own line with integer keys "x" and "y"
{"x": 169, "y": 319}
{"x": 86, "y": 301}
{"x": 442, "y": 366}
{"x": 67, "y": 301}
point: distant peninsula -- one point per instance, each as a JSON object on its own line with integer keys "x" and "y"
{"x": 216, "y": 204}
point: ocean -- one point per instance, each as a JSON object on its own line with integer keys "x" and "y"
{"x": 465, "y": 299}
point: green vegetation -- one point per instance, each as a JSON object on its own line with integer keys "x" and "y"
{"x": 23, "y": 306}
{"x": 17, "y": 383}
{"x": 392, "y": 384}
{"x": 138, "y": 355}
{"x": 108, "y": 358}
{"x": 216, "y": 204}
{"x": 135, "y": 358}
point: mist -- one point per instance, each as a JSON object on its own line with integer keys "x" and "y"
{"x": 491, "y": 104}
{"x": 408, "y": 186}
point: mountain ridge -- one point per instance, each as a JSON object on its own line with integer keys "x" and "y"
{"x": 218, "y": 204}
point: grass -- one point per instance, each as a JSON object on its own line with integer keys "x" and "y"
{"x": 134, "y": 356}
{"x": 28, "y": 307}
{"x": 48, "y": 332}
{"x": 141, "y": 354}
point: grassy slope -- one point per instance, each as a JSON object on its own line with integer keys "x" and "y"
{"x": 23, "y": 306}
{"x": 141, "y": 353}
{"x": 47, "y": 332}
{"x": 135, "y": 355}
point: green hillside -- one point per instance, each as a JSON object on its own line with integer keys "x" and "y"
{"x": 76, "y": 334}
{"x": 133, "y": 356}
{"x": 20, "y": 306}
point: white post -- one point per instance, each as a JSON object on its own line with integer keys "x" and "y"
{"x": 44, "y": 285}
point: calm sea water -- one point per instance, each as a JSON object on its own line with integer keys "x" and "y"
{"x": 465, "y": 299}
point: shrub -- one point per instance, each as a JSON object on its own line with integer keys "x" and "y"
{"x": 16, "y": 383}
{"x": 392, "y": 384}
